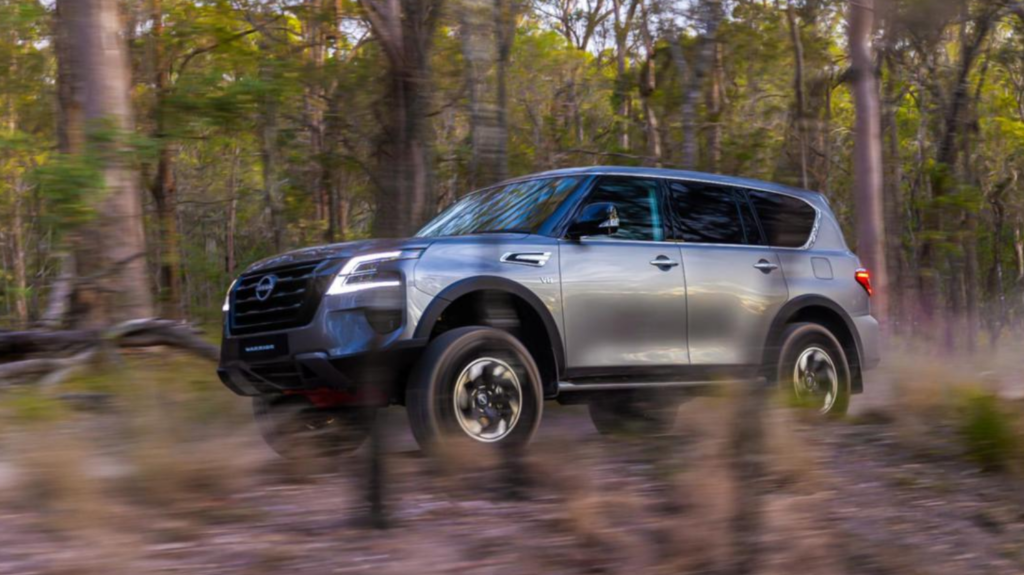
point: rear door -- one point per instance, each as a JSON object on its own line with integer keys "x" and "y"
{"x": 624, "y": 296}
{"x": 734, "y": 281}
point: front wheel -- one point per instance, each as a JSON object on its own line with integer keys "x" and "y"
{"x": 474, "y": 383}
{"x": 814, "y": 370}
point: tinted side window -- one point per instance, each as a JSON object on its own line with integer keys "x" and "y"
{"x": 787, "y": 221}
{"x": 707, "y": 214}
{"x": 637, "y": 203}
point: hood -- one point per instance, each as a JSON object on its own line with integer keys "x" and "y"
{"x": 339, "y": 251}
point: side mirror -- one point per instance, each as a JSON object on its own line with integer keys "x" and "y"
{"x": 601, "y": 219}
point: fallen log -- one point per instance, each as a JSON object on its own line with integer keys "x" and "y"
{"x": 66, "y": 352}
{"x": 38, "y": 341}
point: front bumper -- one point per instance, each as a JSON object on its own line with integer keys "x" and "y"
{"x": 368, "y": 377}
{"x": 343, "y": 349}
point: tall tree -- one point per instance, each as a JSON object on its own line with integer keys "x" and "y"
{"x": 110, "y": 250}
{"x": 405, "y": 31}
{"x": 163, "y": 188}
{"x": 624, "y": 12}
{"x": 488, "y": 31}
{"x": 867, "y": 152}
{"x": 648, "y": 84}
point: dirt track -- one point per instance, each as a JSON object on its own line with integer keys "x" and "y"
{"x": 846, "y": 497}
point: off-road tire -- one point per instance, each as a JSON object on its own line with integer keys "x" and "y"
{"x": 430, "y": 394}
{"x": 800, "y": 338}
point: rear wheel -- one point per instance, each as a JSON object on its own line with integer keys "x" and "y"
{"x": 814, "y": 370}
{"x": 294, "y": 428}
{"x": 474, "y": 383}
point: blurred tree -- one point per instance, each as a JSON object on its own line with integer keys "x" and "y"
{"x": 112, "y": 284}
{"x": 867, "y": 152}
{"x": 405, "y": 33}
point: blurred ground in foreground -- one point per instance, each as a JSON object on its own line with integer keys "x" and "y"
{"x": 154, "y": 467}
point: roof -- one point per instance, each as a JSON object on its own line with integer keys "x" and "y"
{"x": 683, "y": 175}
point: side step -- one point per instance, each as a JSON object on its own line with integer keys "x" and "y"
{"x": 569, "y": 387}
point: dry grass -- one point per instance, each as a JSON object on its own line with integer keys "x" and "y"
{"x": 174, "y": 461}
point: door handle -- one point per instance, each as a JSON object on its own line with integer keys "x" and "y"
{"x": 663, "y": 262}
{"x": 766, "y": 266}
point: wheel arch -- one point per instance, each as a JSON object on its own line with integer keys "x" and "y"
{"x": 548, "y": 350}
{"x": 827, "y": 313}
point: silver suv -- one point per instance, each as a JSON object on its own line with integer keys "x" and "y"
{"x": 623, "y": 288}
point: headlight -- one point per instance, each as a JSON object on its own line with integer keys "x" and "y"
{"x": 227, "y": 298}
{"x": 361, "y": 273}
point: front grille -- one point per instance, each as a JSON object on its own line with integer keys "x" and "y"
{"x": 292, "y": 302}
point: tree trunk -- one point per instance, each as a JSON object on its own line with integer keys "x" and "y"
{"x": 483, "y": 47}
{"x": 692, "y": 77}
{"x": 800, "y": 114}
{"x": 867, "y": 155}
{"x": 651, "y": 131}
{"x": 272, "y": 193}
{"x": 716, "y": 102}
{"x": 70, "y": 124}
{"x": 232, "y": 215}
{"x": 18, "y": 247}
{"x": 110, "y": 252}
{"x": 405, "y": 31}
{"x": 622, "y": 25}
{"x": 996, "y": 289}
{"x": 313, "y": 98}
{"x": 648, "y": 83}
{"x": 164, "y": 190}
{"x": 893, "y": 204}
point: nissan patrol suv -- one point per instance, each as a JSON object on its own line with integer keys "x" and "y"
{"x": 622, "y": 288}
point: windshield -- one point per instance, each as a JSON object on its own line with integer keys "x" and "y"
{"x": 519, "y": 207}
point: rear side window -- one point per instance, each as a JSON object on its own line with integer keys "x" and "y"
{"x": 706, "y": 214}
{"x": 787, "y": 221}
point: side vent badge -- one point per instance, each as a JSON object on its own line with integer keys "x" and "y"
{"x": 535, "y": 259}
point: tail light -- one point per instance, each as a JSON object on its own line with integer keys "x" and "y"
{"x": 863, "y": 277}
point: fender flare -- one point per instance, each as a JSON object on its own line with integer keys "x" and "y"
{"x": 493, "y": 283}
{"x": 778, "y": 327}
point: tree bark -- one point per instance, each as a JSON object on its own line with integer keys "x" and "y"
{"x": 622, "y": 25}
{"x": 70, "y": 124}
{"x": 273, "y": 196}
{"x": 232, "y": 215}
{"x": 893, "y": 203}
{"x": 867, "y": 155}
{"x": 716, "y": 103}
{"x": 648, "y": 83}
{"x": 405, "y": 32}
{"x": 799, "y": 86}
{"x": 692, "y": 76}
{"x": 486, "y": 46}
{"x": 164, "y": 189}
{"x": 111, "y": 248}
{"x": 18, "y": 247}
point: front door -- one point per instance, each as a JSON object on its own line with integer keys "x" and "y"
{"x": 624, "y": 295}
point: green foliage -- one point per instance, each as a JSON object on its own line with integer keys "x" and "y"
{"x": 988, "y": 431}
{"x": 72, "y": 186}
